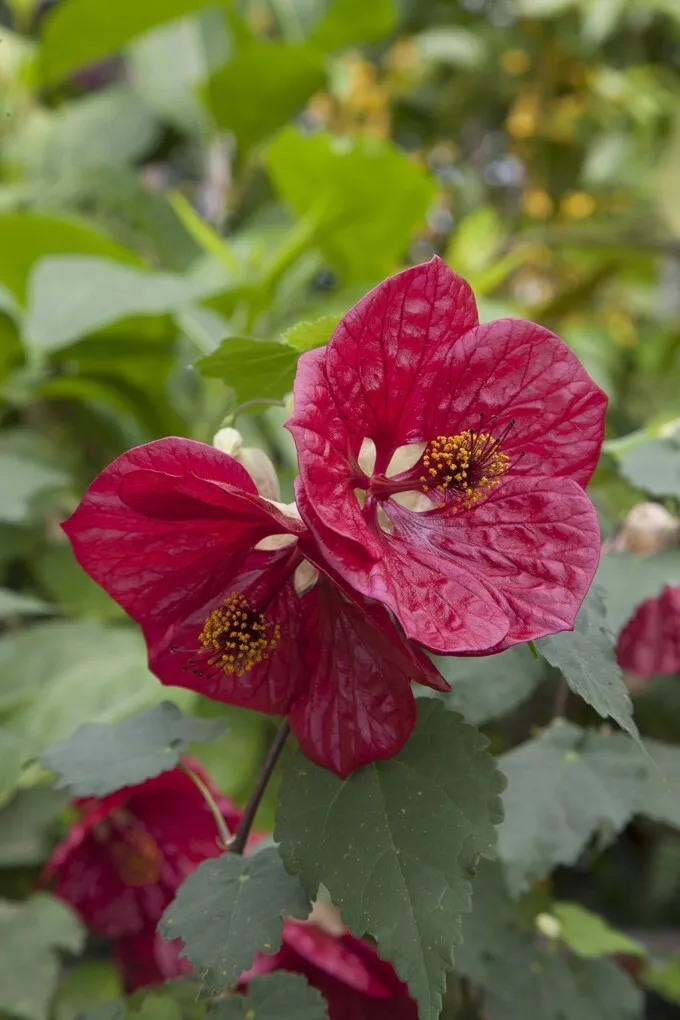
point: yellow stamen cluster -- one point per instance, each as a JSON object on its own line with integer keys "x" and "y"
{"x": 471, "y": 463}
{"x": 240, "y": 637}
{"x": 137, "y": 858}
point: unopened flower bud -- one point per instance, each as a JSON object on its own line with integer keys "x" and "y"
{"x": 648, "y": 528}
{"x": 255, "y": 461}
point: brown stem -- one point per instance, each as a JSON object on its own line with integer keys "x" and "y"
{"x": 238, "y": 841}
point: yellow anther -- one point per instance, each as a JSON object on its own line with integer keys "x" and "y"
{"x": 470, "y": 463}
{"x": 238, "y": 636}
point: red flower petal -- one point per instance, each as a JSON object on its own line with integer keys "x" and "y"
{"x": 145, "y": 959}
{"x": 649, "y": 644}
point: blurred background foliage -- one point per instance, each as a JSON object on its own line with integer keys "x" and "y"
{"x": 181, "y": 184}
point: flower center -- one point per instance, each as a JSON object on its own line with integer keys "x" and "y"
{"x": 238, "y": 636}
{"x": 137, "y": 858}
{"x": 469, "y": 464}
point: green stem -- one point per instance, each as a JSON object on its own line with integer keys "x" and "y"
{"x": 225, "y": 835}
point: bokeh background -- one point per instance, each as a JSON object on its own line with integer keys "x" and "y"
{"x": 175, "y": 174}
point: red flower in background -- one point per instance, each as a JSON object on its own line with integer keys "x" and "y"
{"x": 502, "y": 429}
{"x": 122, "y": 861}
{"x": 221, "y": 582}
{"x": 355, "y": 982}
{"x": 145, "y": 959}
{"x": 649, "y": 644}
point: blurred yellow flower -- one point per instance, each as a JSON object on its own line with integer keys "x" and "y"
{"x": 537, "y": 203}
{"x": 515, "y": 61}
{"x": 577, "y": 205}
{"x": 524, "y": 116}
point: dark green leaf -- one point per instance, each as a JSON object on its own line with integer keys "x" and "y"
{"x": 280, "y": 79}
{"x": 253, "y": 369}
{"x": 31, "y": 934}
{"x": 78, "y": 32}
{"x": 305, "y": 336}
{"x": 628, "y": 580}
{"x": 230, "y": 908}
{"x": 396, "y": 842}
{"x": 366, "y": 197}
{"x": 279, "y": 996}
{"x": 26, "y": 825}
{"x": 520, "y": 977}
{"x": 563, "y": 788}
{"x": 105, "y": 1011}
{"x": 347, "y": 22}
{"x": 660, "y": 795}
{"x": 653, "y": 466}
{"x": 586, "y": 658}
{"x": 490, "y": 686}
{"x": 100, "y": 758}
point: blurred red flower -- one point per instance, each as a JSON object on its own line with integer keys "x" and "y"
{"x": 490, "y": 431}
{"x": 123, "y": 860}
{"x": 355, "y": 982}
{"x": 649, "y": 644}
{"x": 236, "y": 602}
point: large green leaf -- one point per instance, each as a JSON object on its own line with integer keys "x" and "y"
{"x": 31, "y": 936}
{"x": 589, "y": 935}
{"x": 365, "y": 196}
{"x": 490, "y": 686}
{"x": 253, "y": 369}
{"x": 102, "y": 757}
{"x": 229, "y": 909}
{"x": 586, "y": 658}
{"x": 23, "y": 481}
{"x": 653, "y": 466}
{"x": 78, "y": 32}
{"x": 563, "y": 788}
{"x": 280, "y": 79}
{"x": 397, "y": 841}
{"x": 520, "y": 977}
{"x": 85, "y": 986}
{"x": 72, "y": 296}
{"x": 26, "y": 237}
{"x": 628, "y": 580}
{"x": 347, "y": 22}
{"x": 305, "y": 336}
{"x": 279, "y": 996}
{"x": 26, "y": 827}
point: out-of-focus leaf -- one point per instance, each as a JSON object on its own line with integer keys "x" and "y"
{"x": 490, "y": 686}
{"x": 347, "y": 22}
{"x": 653, "y": 466}
{"x": 61, "y": 576}
{"x": 72, "y": 296}
{"x": 586, "y": 659}
{"x": 305, "y": 336}
{"x": 453, "y": 47}
{"x": 230, "y": 908}
{"x": 273, "y": 997}
{"x": 664, "y": 979}
{"x": 589, "y": 935}
{"x": 11, "y": 758}
{"x": 396, "y": 842}
{"x": 14, "y": 603}
{"x": 628, "y": 580}
{"x": 23, "y": 480}
{"x": 253, "y": 369}
{"x": 563, "y": 788}
{"x": 26, "y": 824}
{"x": 26, "y": 237}
{"x": 280, "y": 79}
{"x": 78, "y": 32}
{"x": 31, "y": 935}
{"x": 100, "y": 758}
{"x": 666, "y": 189}
{"x": 365, "y": 196}
{"x": 85, "y": 986}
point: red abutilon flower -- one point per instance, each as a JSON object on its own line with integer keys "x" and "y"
{"x": 355, "y": 982}
{"x": 442, "y": 464}
{"x": 146, "y": 958}
{"x": 649, "y": 644}
{"x": 122, "y": 861}
{"x": 236, "y": 602}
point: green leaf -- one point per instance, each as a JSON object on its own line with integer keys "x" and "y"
{"x": 585, "y": 656}
{"x": 102, "y": 757}
{"x": 367, "y": 196}
{"x": 396, "y": 842}
{"x": 563, "y": 788}
{"x": 31, "y": 935}
{"x": 490, "y": 686}
{"x": 281, "y": 78}
{"x": 79, "y": 32}
{"x": 26, "y": 823}
{"x": 14, "y": 603}
{"x": 347, "y": 22}
{"x": 26, "y": 237}
{"x": 253, "y": 369}
{"x": 664, "y": 979}
{"x": 305, "y": 336}
{"x": 86, "y": 986}
{"x": 660, "y": 794}
{"x": 273, "y": 997}
{"x": 230, "y": 908}
{"x": 105, "y": 1011}
{"x": 520, "y": 977}
{"x": 589, "y": 935}
{"x": 100, "y": 292}
{"x": 653, "y": 466}
{"x": 23, "y": 481}
{"x": 628, "y": 580}
{"x": 73, "y": 591}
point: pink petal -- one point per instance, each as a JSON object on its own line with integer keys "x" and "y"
{"x": 649, "y": 644}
